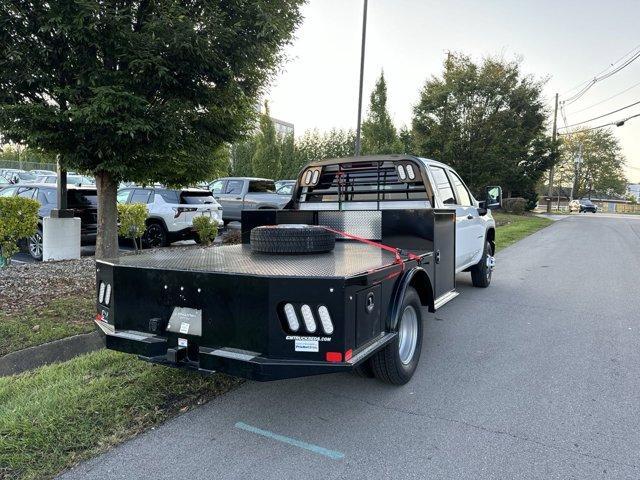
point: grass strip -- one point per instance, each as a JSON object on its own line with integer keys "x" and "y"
{"x": 62, "y": 317}
{"x": 512, "y": 228}
{"x": 55, "y": 416}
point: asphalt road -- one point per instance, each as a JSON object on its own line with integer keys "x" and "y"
{"x": 535, "y": 377}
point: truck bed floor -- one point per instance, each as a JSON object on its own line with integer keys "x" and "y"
{"x": 347, "y": 259}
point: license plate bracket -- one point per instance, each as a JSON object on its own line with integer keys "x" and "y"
{"x": 185, "y": 321}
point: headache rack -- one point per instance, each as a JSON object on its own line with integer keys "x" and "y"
{"x": 373, "y": 182}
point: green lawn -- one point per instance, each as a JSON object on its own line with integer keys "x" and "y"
{"x": 61, "y": 318}
{"x": 511, "y": 228}
{"x": 55, "y": 416}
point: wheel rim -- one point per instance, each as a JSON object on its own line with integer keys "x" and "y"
{"x": 408, "y": 334}
{"x": 154, "y": 235}
{"x": 491, "y": 263}
{"x": 35, "y": 245}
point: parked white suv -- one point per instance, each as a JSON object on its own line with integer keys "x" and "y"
{"x": 171, "y": 212}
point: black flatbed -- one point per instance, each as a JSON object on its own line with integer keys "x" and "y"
{"x": 348, "y": 259}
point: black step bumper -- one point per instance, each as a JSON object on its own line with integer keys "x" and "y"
{"x": 240, "y": 363}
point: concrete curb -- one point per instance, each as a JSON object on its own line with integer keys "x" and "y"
{"x": 52, "y": 352}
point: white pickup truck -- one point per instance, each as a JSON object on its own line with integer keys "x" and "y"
{"x": 337, "y": 280}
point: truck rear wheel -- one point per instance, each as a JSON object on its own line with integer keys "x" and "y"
{"x": 284, "y": 239}
{"x": 398, "y": 361}
{"x": 482, "y": 271}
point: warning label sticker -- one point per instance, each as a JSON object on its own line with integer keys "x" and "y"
{"x": 184, "y": 327}
{"x": 307, "y": 346}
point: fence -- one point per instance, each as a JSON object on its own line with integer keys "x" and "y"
{"x": 26, "y": 165}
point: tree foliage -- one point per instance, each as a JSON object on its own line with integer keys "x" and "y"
{"x": 136, "y": 90}
{"x": 266, "y": 157}
{"x": 379, "y": 136}
{"x": 487, "y": 120}
{"x": 601, "y": 170}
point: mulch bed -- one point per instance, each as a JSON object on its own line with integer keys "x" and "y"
{"x": 36, "y": 284}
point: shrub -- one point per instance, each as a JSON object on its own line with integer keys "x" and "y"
{"x": 132, "y": 217}
{"x": 206, "y": 229}
{"x": 515, "y": 205}
{"x": 18, "y": 219}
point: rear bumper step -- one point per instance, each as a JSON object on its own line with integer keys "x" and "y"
{"x": 240, "y": 363}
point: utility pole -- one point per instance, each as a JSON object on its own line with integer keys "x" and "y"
{"x": 576, "y": 173}
{"x": 364, "y": 38}
{"x": 554, "y": 154}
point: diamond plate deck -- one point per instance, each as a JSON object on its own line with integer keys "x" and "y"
{"x": 347, "y": 260}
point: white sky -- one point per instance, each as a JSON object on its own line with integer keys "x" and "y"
{"x": 567, "y": 41}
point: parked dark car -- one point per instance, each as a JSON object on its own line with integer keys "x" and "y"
{"x": 583, "y": 205}
{"x": 84, "y": 202}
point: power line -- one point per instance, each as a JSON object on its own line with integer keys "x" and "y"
{"x": 604, "y": 70}
{"x": 603, "y": 115}
{"x": 618, "y": 123}
{"x": 607, "y": 99}
{"x": 599, "y": 78}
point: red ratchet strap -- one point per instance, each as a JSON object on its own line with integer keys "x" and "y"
{"x": 396, "y": 251}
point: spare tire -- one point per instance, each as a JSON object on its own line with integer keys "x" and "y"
{"x": 283, "y": 239}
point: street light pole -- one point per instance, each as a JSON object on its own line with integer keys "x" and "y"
{"x": 364, "y": 38}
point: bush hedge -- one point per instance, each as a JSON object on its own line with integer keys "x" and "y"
{"x": 516, "y": 205}
{"x": 132, "y": 218}
{"x": 18, "y": 219}
{"x": 206, "y": 229}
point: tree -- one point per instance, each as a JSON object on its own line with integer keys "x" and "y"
{"x": 241, "y": 156}
{"x": 488, "y": 121}
{"x": 406, "y": 140}
{"x": 601, "y": 170}
{"x": 289, "y": 158}
{"x": 379, "y": 136}
{"x": 134, "y": 89}
{"x": 266, "y": 158}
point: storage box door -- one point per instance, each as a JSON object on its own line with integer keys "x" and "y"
{"x": 444, "y": 252}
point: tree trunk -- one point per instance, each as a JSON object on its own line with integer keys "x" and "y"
{"x": 107, "y": 241}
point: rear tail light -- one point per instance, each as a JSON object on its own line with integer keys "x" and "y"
{"x": 101, "y": 292}
{"x": 410, "y": 172}
{"x": 325, "y": 319}
{"x": 334, "y": 357}
{"x": 307, "y": 316}
{"x": 107, "y": 294}
{"x": 402, "y": 173}
{"x": 180, "y": 210}
{"x": 316, "y": 176}
{"x": 292, "y": 317}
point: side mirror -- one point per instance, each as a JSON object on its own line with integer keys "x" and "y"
{"x": 493, "y": 198}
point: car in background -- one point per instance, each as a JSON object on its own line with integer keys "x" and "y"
{"x": 582, "y": 205}
{"x": 82, "y": 200}
{"x": 19, "y": 176}
{"x": 72, "y": 179}
{"x": 282, "y": 183}
{"x": 236, "y": 194}
{"x": 171, "y": 212}
{"x": 39, "y": 173}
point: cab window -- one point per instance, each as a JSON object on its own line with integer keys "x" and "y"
{"x": 234, "y": 187}
{"x": 123, "y": 195}
{"x": 26, "y": 192}
{"x": 217, "y": 186}
{"x": 443, "y": 185}
{"x": 140, "y": 196}
{"x": 464, "y": 197}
